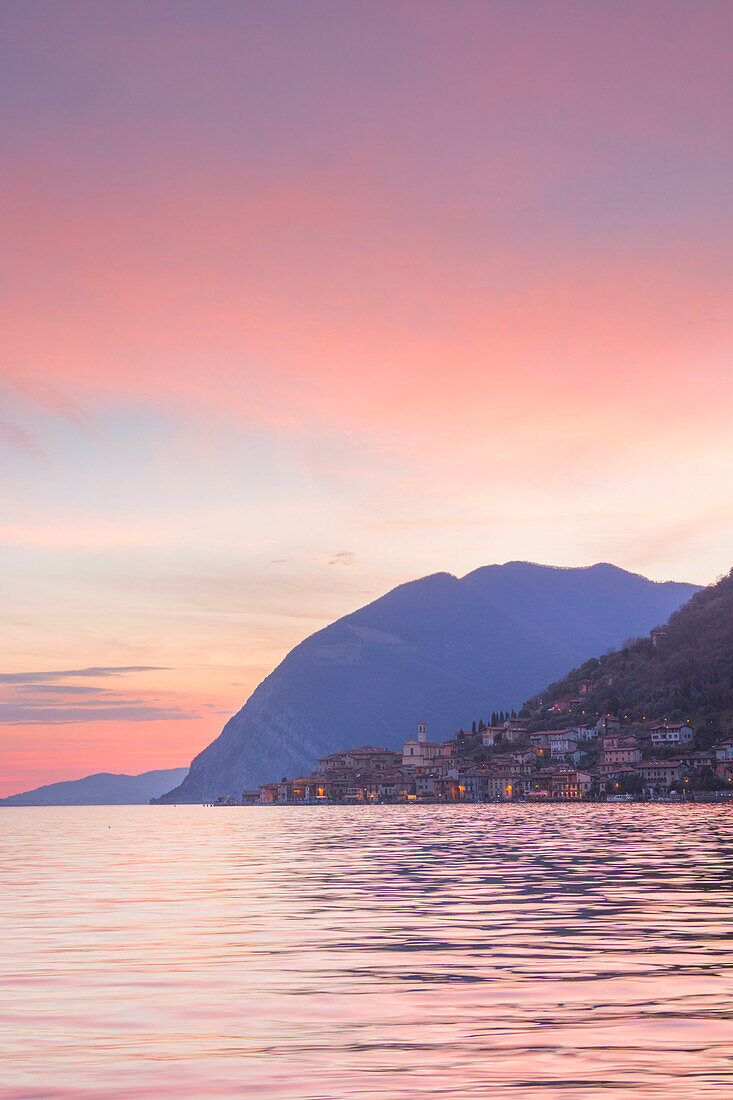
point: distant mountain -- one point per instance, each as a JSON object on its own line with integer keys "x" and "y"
{"x": 683, "y": 671}
{"x": 102, "y": 789}
{"x": 439, "y": 649}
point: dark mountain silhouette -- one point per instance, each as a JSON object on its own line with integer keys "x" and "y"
{"x": 102, "y": 789}
{"x": 684, "y": 670}
{"x": 439, "y": 649}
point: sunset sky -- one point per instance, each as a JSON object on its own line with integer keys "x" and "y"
{"x": 303, "y": 299}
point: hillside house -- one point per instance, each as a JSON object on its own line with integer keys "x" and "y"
{"x": 492, "y": 734}
{"x": 625, "y": 754}
{"x": 619, "y": 741}
{"x": 679, "y": 734}
{"x": 560, "y": 745}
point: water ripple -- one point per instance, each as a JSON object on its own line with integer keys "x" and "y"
{"x": 396, "y": 953}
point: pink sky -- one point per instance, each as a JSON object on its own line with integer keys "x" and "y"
{"x": 301, "y": 301}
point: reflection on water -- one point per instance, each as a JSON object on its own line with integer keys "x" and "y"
{"x": 390, "y": 952}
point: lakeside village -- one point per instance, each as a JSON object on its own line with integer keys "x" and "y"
{"x": 606, "y": 761}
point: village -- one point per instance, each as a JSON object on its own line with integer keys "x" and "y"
{"x": 603, "y": 761}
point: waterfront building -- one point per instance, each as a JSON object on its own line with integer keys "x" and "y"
{"x": 661, "y": 773}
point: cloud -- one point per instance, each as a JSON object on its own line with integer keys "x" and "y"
{"x": 37, "y": 698}
{"x": 343, "y": 557}
{"x": 73, "y": 673}
{"x": 21, "y": 440}
{"x": 47, "y": 397}
{"x": 46, "y": 690}
{"x": 17, "y": 715}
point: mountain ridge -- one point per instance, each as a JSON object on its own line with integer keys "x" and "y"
{"x": 121, "y": 789}
{"x": 434, "y": 649}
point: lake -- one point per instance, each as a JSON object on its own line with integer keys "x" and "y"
{"x": 367, "y": 952}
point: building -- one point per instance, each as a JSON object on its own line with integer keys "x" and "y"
{"x": 607, "y": 724}
{"x": 697, "y": 760}
{"x": 268, "y": 793}
{"x": 570, "y": 786}
{"x": 367, "y": 757}
{"x": 544, "y": 738}
{"x": 558, "y": 785}
{"x": 619, "y": 741}
{"x": 624, "y": 754}
{"x": 671, "y": 734}
{"x": 489, "y": 785}
{"x": 662, "y": 773}
{"x": 518, "y": 724}
{"x": 417, "y": 752}
{"x": 560, "y": 745}
{"x": 586, "y": 733}
{"x": 492, "y": 734}
{"x": 724, "y": 752}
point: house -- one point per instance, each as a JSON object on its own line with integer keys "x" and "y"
{"x": 610, "y": 783}
{"x": 607, "y": 724}
{"x": 696, "y": 760}
{"x": 558, "y": 785}
{"x": 516, "y": 725}
{"x": 671, "y": 734}
{"x": 619, "y": 741}
{"x": 396, "y": 788}
{"x": 623, "y": 754}
{"x": 520, "y": 762}
{"x": 562, "y": 744}
{"x": 724, "y": 752}
{"x": 570, "y": 786}
{"x": 562, "y": 706}
{"x": 268, "y": 793}
{"x": 367, "y": 757}
{"x": 493, "y": 734}
{"x": 489, "y": 785}
{"x": 616, "y": 760}
{"x": 586, "y": 733}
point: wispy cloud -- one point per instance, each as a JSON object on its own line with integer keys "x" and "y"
{"x": 343, "y": 557}
{"x": 46, "y": 397}
{"x": 16, "y": 715}
{"x": 12, "y": 435}
{"x": 73, "y": 673}
{"x": 45, "y": 698}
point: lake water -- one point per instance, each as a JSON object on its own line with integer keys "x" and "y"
{"x": 377, "y": 952}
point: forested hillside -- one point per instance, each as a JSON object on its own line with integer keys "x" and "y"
{"x": 683, "y": 670}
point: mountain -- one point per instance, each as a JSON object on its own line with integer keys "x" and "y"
{"x": 684, "y": 670}
{"x": 440, "y": 649}
{"x": 102, "y": 789}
